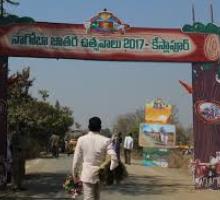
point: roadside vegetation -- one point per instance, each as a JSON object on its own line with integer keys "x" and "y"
{"x": 41, "y": 118}
{"x": 178, "y": 157}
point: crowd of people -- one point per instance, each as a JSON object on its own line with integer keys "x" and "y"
{"x": 96, "y": 153}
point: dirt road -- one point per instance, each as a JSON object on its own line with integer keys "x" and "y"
{"x": 45, "y": 177}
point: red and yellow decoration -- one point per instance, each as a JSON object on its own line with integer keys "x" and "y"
{"x": 105, "y": 37}
{"x": 158, "y": 111}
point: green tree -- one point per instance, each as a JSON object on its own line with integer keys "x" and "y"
{"x": 44, "y": 94}
{"x": 41, "y": 118}
{"x": 2, "y": 2}
{"x": 19, "y": 97}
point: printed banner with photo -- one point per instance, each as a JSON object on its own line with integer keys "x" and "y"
{"x": 158, "y": 111}
{"x": 157, "y": 157}
{"x": 157, "y": 135}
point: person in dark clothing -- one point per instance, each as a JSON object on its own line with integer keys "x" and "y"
{"x": 54, "y": 145}
{"x": 116, "y": 141}
{"x": 18, "y": 157}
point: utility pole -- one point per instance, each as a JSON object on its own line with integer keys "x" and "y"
{"x": 211, "y": 11}
{"x": 193, "y": 13}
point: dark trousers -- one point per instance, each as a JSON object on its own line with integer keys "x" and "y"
{"x": 55, "y": 151}
{"x": 127, "y": 154}
{"x": 18, "y": 172}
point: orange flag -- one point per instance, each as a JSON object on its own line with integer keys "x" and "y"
{"x": 186, "y": 86}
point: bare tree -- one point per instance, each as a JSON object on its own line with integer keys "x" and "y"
{"x": 77, "y": 125}
{"x": 129, "y": 123}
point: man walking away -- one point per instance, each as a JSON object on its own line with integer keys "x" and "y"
{"x": 128, "y": 147}
{"x": 54, "y": 145}
{"x": 92, "y": 150}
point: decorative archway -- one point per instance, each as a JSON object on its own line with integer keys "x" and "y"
{"x": 105, "y": 37}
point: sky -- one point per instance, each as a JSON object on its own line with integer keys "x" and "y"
{"x": 109, "y": 89}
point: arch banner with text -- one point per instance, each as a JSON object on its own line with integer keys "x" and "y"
{"x": 105, "y": 37}
{"x": 75, "y": 41}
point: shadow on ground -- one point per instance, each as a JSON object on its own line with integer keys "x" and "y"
{"x": 40, "y": 186}
{"x": 49, "y": 186}
{"x": 147, "y": 185}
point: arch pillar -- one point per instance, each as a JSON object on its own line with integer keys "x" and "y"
{"x": 3, "y": 118}
{"x": 206, "y": 88}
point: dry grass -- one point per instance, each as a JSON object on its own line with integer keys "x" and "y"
{"x": 177, "y": 160}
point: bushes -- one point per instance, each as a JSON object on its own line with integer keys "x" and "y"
{"x": 32, "y": 148}
{"x": 176, "y": 159}
{"x": 41, "y": 118}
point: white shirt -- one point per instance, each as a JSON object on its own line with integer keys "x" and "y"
{"x": 128, "y": 143}
{"x": 91, "y": 150}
